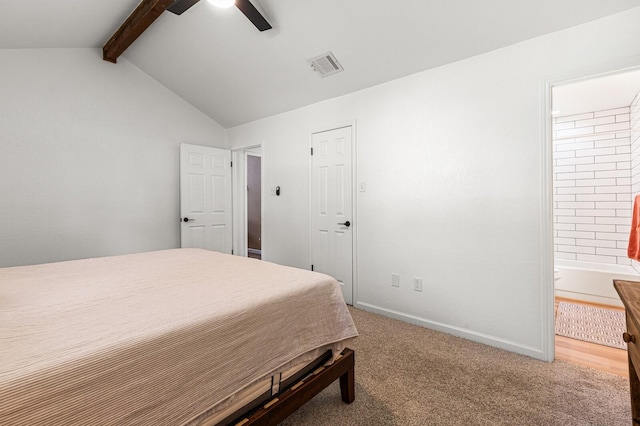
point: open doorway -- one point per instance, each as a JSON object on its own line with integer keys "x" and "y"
{"x": 596, "y": 173}
{"x": 254, "y": 205}
{"x": 247, "y": 201}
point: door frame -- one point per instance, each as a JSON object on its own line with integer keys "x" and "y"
{"x": 239, "y": 185}
{"x": 354, "y": 199}
{"x": 547, "y": 261}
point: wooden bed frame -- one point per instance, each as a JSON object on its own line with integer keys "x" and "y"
{"x": 299, "y": 390}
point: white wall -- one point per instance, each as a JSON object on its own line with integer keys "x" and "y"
{"x": 452, "y": 161}
{"x": 89, "y": 156}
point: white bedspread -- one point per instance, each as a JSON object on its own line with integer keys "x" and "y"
{"x": 153, "y": 338}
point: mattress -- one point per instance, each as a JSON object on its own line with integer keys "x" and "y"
{"x": 155, "y": 338}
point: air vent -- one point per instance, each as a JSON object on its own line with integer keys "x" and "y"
{"x": 325, "y": 65}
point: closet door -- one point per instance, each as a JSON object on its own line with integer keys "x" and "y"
{"x": 332, "y": 207}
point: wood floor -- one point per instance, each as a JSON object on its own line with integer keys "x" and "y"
{"x": 600, "y": 357}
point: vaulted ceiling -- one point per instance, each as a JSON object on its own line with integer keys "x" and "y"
{"x": 217, "y": 60}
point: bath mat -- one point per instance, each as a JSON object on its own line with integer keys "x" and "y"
{"x": 597, "y": 325}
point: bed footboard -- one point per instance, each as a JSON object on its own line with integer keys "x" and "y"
{"x": 281, "y": 406}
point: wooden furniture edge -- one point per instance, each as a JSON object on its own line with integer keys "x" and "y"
{"x": 284, "y": 404}
{"x": 629, "y": 297}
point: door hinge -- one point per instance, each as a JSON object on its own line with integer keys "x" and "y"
{"x": 231, "y": 251}
{"x": 312, "y": 267}
{"x": 232, "y": 164}
{"x": 311, "y": 150}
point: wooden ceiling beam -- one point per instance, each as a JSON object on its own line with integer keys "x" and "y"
{"x": 141, "y": 18}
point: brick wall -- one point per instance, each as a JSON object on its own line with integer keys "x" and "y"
{"x": 634, "y": 110}
{"x": 593, "y": 186}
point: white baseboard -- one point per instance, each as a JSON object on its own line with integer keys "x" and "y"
{"x": 602, "y": 300}
{"x": 456, "y": 331}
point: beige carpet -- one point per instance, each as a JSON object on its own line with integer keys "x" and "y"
{"x": 591, "y": 324}
{"x": 409, "y": 375}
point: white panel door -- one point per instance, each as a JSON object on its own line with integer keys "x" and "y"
{"x": 205, "y": 198}
{"x": 331, "y": 207}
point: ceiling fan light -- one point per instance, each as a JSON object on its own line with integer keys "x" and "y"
{"x": 222, "y": 3}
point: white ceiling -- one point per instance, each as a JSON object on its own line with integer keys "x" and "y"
{"x": 596, "y": 94}
{"x": 216, "y": 60}
{"x": 60, "y": 23}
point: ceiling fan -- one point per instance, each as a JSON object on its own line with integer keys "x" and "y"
{"x": 245, "y": 6}
{"x": 149, "y": 10}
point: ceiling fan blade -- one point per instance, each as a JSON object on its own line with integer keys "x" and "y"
{"x": 253, "y": 14}
{"x": 181, "y": 6}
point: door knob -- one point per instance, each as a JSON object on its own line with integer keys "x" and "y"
{"x": 347, "y": 224}
{"x": 186, "y": 219}
{"x": 628, "y": 338}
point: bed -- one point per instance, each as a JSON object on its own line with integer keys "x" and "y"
{"x": 172, "y": 337}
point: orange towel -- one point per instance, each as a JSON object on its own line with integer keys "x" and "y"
{"x": 633, "y": 252}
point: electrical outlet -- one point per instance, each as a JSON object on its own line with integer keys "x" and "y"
{"x": 417, "y": 284}
{"x": 395, "y": 280}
